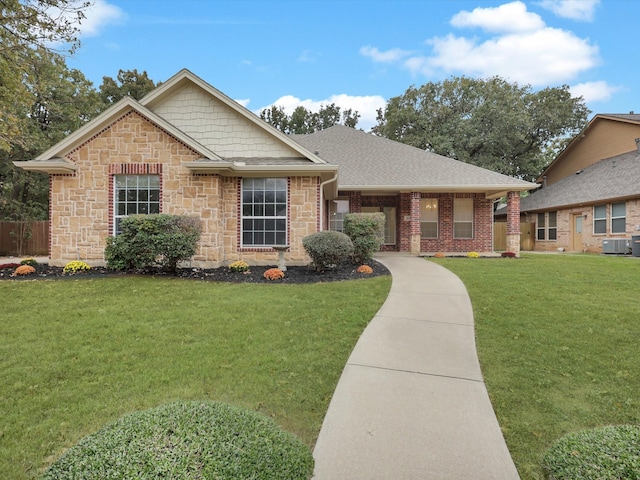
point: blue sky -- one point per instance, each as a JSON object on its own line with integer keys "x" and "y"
{"x": 358, "y": 53}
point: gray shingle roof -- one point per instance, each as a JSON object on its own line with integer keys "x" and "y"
{"x": 367, "y": 161}
{"x": 608, "y": 179}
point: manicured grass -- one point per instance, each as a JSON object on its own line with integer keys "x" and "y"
{"x": 559, "y": 340}
{"x": 78, "y": 354}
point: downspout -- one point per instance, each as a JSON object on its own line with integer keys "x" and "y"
{"x": 333, "y": 179}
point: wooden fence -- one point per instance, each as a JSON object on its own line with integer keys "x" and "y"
{"x": 527, "y": 239}
{"x": 24, "y": 238}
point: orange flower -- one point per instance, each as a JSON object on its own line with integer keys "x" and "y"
{"x": 24, "y": 270}
{"x": 439, "y": 255}
{"x": 274, "y": 274}
{"x": 365, "y": 269}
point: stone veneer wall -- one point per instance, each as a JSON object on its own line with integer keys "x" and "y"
{"x": 81, "y": 218}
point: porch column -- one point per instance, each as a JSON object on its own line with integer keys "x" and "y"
{"x": 513, "y": 222}
{"x": 415, "y": 223}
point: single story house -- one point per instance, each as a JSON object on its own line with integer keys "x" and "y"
{"x": 186, "y": 148}
{"x": 590, "y": 193}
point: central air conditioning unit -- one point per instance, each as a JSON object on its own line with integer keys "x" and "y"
{"x": 618, "y": 246}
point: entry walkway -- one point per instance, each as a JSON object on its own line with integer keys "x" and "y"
{"x": 411, "y": 402}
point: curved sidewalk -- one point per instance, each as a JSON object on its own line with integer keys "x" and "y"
{"x": 411, "y": 402}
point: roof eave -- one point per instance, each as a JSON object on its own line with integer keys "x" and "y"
{"x": 53, "y": 166}
{"x": 491, "y": 191}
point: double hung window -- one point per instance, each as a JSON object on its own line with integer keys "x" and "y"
{"x": 463, "y": 218}
{"x": 264, "y": 212}
{"x": 135, "y": 194}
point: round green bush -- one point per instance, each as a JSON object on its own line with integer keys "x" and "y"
{"x": 328, "y": 248}
{"x": 607, "y": 453}
{"x": 187, "y": 440}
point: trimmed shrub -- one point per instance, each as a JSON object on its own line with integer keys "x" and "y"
{"x": 187, "y": 440}
{"x": 150, "y": 240}
{"x": 327, "y": 249}
{"x": 366, "y": 231}
{"x": 75, "y": 266}
{"x": 29, "y": 261}
{"x": 274, "y": 274}
{"x": 607, "y": 453}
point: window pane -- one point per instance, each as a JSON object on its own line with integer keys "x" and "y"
{"x": 618, "y": 210}
{"x": 553, "y": 219}
{"x": 600, "y": 211}
{"x": 264, "y": 199}
{"x": 553, "y": 233}
{"x": 541, "y": 220}
{"x": 463, "y": 230}
{"x": 600, "y": 226}
{"x": 429, "y": 209}
{"x": 429, "y": 229}
{"x": 618, "y": 225}
{"x": 463, "y": 218}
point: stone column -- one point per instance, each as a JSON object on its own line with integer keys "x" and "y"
{"x": 513, "y": 222}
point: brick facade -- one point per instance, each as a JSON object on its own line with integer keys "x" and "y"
{"x": 588, "y": 241}
{"x": 81, "y": 216}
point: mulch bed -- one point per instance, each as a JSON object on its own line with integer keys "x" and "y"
{"x": 293, "y": 275}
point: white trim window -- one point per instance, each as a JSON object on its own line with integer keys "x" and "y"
{"x": 134, "y": 194}
{"x": 429, "y": 217}
{"x": 619, "y": 217}
{"x": 599, "y": 219}
{"x": 541, "y": 226}
{"x": 463, "y": 218}
{"x": 337, "y": 210}
{"x": 264, "y": 212}
{"x": 552, "y": 229}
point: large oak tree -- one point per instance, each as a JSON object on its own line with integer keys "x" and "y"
{"x": 486, "y": 122}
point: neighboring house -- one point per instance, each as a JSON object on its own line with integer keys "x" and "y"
{"x": 186, "y": 148}
{"x": 591, "y": 192}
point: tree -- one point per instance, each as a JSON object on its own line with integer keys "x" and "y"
{"x": 490, "y": 123}
{"x": 128, "y": 83}
{"x": 61, "y": 100}
{"x": 303, "y": 121}
{"x": 29, "y": 27}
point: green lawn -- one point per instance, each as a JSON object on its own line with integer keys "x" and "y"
{"x": 77, "y": 354}
{"x": 559, "y": 342}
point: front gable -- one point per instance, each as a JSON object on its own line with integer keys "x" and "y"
{"x": 219, "y": 127}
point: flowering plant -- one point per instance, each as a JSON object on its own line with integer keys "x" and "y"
{"x": 239, "y": 266}
{"x": 29, "y": 261}
{"x": 508, "y": 255}
{"x": 75, "y": 266}
{"x": 472, "y": 255}
{"x": 274, "y": 274}
{"x": 12, "y": 266}
{"x": 439, "y": 255}
{"x": 365, "y": 269}
{"x": 24, "y": 270}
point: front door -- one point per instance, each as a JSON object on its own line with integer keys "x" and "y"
{"x": 576, "y": 233}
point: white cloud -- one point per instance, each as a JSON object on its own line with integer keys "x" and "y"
{"x": 593, "y": 91}
{"x": 582, "y": 10}
{"x": 243, "y": 101}
{"x": 99, "y": 15}
{"x": 389, "y": 56}
{"x": 542, "y": 57}
{"x": 510, "y": 17}
{"x": 367, "y": 106}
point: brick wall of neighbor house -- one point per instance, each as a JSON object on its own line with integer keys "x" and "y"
{"x": 81, "y": 219}
{"x": 482, "y": 240}
{"x": 590, "y": 243}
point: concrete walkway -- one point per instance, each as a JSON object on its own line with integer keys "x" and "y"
{"x": 411, "y": 402}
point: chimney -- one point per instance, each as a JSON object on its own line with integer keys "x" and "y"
{"x": 544, "y": 178}
{"x": 638, "y": 144}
